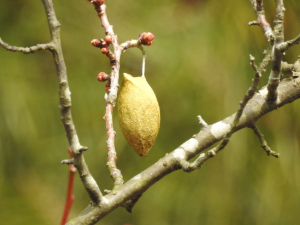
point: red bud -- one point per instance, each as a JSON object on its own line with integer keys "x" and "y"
{"x": 108, "y": 39}
{"x": 102, "y": 77}
{"x": 96, "y": 43}
{"x": 146, "y": 38}
{"x": 104, "y": 50}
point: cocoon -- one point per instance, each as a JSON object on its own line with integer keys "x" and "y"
{"x": 139, "y": 114}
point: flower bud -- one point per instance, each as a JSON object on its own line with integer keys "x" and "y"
{"x": 108, "y": 39}
{"x": 96, "y": 43}
{"x": 104, "y": 50}
{"x": 102, "y": 77}
{"x": 146, "y": 38}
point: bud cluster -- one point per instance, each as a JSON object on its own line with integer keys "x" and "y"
{"x": 146, "y": 38}
{"x": 102, "y": 44}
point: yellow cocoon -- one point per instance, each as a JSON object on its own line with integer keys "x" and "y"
{"x": 138, "y": 113}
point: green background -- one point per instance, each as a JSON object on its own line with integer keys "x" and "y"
{"x": 198, "y": 65}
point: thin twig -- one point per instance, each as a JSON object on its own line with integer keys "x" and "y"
{"x": 65, "y": 99}
{"x": 26, "y": 50}
{"x": 188, "y": 167}
{"x": 111, "y": 95}
{"x": 256, "y": 108}
{"x": 263, "y": 142}
{"x": 65, "y": 106}
{"x": 286, "y": 45}
{"x": 258, "y": 8}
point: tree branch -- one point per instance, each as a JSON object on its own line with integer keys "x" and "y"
{"x": 189, "y": 167}
{"x": 26, "y": 50}
{"x": 277, "y": 52}
{"x": 65, "y": 106}
{"x": 112, "y": 90}
{"x": 263, "y": 142}
{"x": 209, "y": 135}
{"x": 258, "y": 8}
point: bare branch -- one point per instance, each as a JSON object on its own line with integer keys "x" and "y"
{"x": 286, "y": 45}
{"x": 65, "y": 106}
{"x": 275, "y": 74}
{"x": 258, "y": 8}
{"x": 256, "y": 108}
{"x": 263, "y": 142}
{"x": 26, "y": 50}
{"x": 188, "y": 167}
{"x": 129, "y": 44}
{"x": 111, "y": 89}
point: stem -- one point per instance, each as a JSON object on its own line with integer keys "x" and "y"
{"x": 111, "y": 98}
{"x": 70, "y": 196}
{"x": 65, "y": 105}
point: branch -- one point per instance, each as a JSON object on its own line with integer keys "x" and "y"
{"x": 258, "y": 8}
{"x": 65, "y": 106}
{"x": 286, "y": 45}
{"x": 111, "y": 95}
{"x": 112, "y": 86}
{"x": 65, "y": 99}
{"x": 188, "y": 167}
{"x": 275, "y": 74}
{"x": 26, "y": 50}
{"x": 208, "y": 135}
{"x": 263, "y": 142}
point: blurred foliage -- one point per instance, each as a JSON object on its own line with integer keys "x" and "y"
{"x": 198, "y": 64}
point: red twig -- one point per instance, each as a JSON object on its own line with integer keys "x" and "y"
{"x": 70, "y": 196}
